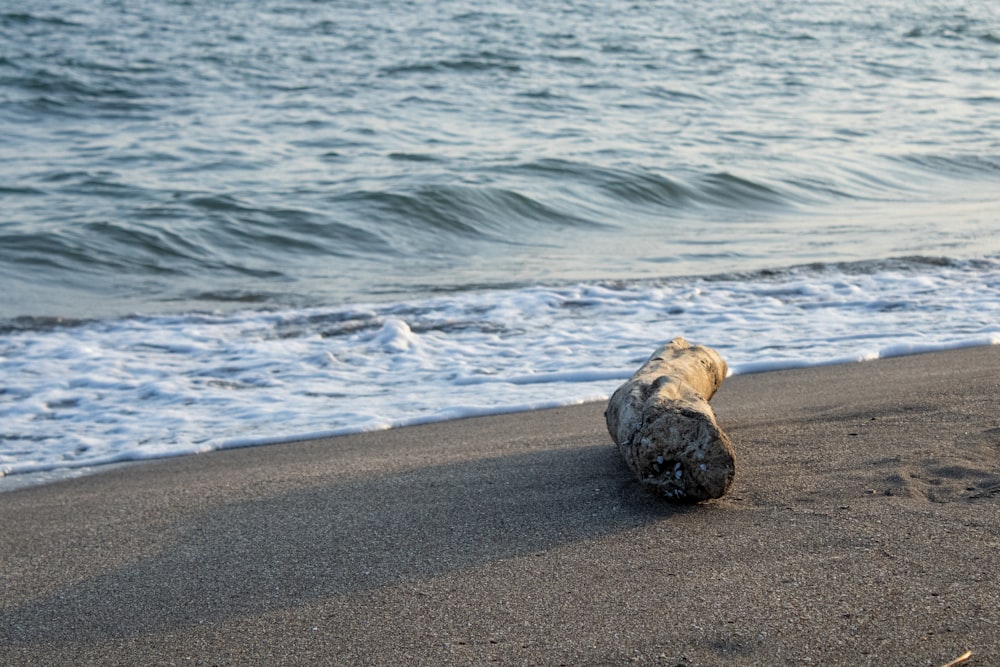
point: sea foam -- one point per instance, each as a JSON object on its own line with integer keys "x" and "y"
{"x": 114, "y": 390}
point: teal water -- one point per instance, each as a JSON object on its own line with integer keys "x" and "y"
{"x": 174, "y": 156}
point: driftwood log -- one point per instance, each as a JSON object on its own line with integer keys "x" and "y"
{"x": 662, "y": 423}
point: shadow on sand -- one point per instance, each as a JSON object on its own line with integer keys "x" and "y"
{"x": 285, "y": 550}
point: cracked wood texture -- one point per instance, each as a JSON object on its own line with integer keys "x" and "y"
{"x": 665, "y": 429}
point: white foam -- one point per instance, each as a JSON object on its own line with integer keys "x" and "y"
{"x": 140, "y": 388}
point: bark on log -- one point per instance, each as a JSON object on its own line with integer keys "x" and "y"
{"x": 665, "y": 429}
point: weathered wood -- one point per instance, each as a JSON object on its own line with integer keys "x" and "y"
{"x": 665, "y": 429}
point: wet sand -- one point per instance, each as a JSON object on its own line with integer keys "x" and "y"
{"x": 863, "y": 528}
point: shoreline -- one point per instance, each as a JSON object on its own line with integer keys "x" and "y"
{"x": 13, "y": 481}
{"x": 862, "y": 528}
{"x": 149, "y": 387}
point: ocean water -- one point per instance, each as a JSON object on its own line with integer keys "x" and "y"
{"x": 226, "y": 223}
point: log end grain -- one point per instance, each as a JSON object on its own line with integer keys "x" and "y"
{"x": 682, "y": 455}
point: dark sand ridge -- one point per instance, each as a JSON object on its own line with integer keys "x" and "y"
{"x": 863, "y": 529}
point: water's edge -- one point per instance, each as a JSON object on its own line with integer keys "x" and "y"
{"x": 31, "y": 479}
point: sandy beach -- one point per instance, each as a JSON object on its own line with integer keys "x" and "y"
{"x": 863, "y": 528}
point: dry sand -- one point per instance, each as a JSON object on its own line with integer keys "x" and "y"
{"x": 863, "y": 529}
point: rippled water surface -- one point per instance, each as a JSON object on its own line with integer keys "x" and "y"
{"x": 159, "y": 155}
{"x": 185, "y": 172}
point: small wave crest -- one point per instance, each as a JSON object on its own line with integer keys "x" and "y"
{"x": 974, "y": 166}
{"x": 501, "y": 214}
{"x": 673, "y": 194}
{"x": 25, "y": 18}
{"x": 464, "y": 62}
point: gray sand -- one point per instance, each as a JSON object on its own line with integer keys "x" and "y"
{"x": 863, "y": 529}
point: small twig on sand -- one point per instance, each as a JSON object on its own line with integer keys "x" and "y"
{"x": 959, "y": 660}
